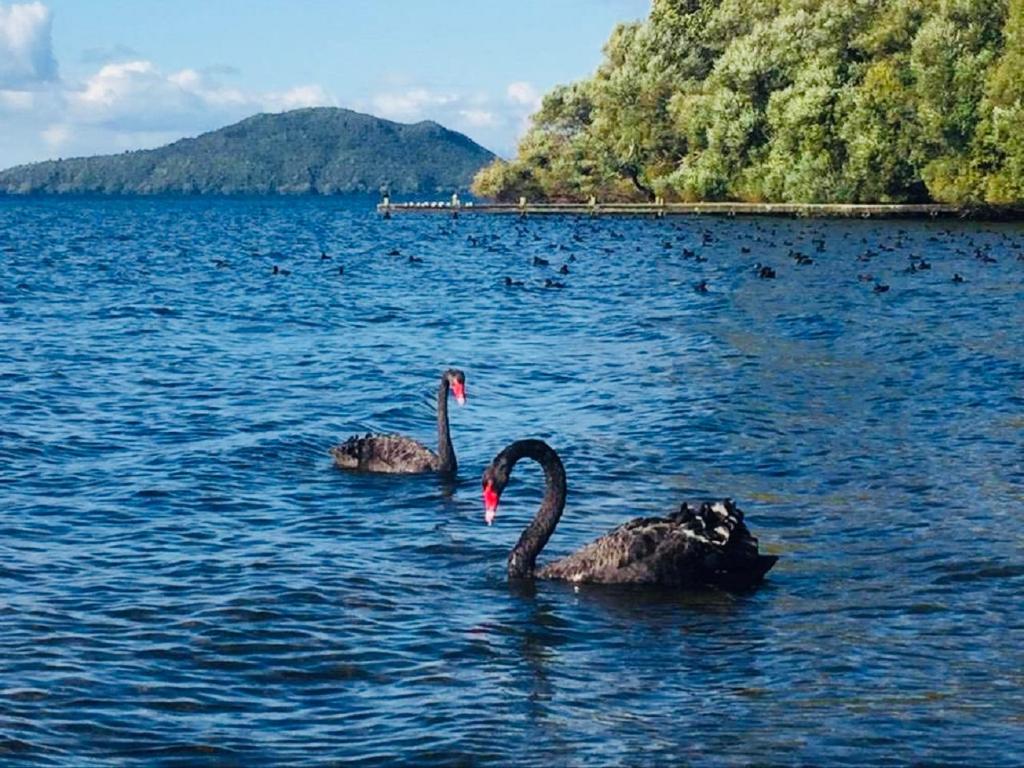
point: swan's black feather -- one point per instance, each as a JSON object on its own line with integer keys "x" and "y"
{"x": 397, "y": 454}
{"x": 702, "y": 543}
{"x": 384, "y": 453}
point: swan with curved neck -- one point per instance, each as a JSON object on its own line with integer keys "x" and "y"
{"x": 701, "y": 544}
{"x": 397, "y": 454}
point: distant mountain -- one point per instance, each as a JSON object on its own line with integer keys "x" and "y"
{"x": 323, "y": 150}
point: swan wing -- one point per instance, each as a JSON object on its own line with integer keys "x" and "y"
{"x": 394, "y": 454}
{"x": 705, "y": 543}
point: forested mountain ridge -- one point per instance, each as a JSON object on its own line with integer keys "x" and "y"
{"x": 788, "y": 101}
{"x": 307, "y": 151}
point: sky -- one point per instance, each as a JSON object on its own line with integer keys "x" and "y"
{"x": 83, "y": 77}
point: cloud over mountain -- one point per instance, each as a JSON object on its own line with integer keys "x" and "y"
{"x": 114, "y": 97}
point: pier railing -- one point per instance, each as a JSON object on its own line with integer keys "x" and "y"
{"x": 659, "y": 208}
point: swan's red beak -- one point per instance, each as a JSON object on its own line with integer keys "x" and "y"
{"x": 490, "y": 503}
{"x": 459, "y": 390}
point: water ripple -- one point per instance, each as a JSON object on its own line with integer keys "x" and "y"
{"x": 187, "y": 581}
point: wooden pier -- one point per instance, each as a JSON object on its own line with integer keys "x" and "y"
{"x": 660, "y": 209}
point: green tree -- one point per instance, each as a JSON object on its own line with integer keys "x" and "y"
{"x": 789, "y": 100}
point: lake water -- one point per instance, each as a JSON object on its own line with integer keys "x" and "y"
{"x": 185, "y": 579}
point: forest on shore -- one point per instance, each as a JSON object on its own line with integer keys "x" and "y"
{"x": 809, "y": 101}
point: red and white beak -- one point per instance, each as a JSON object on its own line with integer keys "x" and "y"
{"x": 490, "y": 503}
{"x": 459, "y": 390}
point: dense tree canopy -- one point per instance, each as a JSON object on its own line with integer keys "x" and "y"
{"x": 789, "y": 100}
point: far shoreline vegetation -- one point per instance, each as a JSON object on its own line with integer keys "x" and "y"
{"x": 788, "y": 101}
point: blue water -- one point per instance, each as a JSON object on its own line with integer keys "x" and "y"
{"x": 186, "y": 580}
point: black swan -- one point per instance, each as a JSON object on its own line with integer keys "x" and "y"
{"x": 706, "y": 544}
{"x": 397, "y": 454}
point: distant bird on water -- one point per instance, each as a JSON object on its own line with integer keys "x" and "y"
{"x": 283, "y": 272}
{"x": 396, "y": 454}
{"x": 510, "y": 283}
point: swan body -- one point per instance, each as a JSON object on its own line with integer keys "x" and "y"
{"x": 705, "y": 543}
{"x": 702, "y": 543}
{"x": 394, "y": 454}
{"x": 397, "y": 454}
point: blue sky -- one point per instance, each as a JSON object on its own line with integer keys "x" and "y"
{"x": 99, "y": 76}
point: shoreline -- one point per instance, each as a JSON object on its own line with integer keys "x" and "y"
{"x": 791, "y": 210}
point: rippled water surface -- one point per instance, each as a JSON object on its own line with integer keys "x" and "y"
{"x": 185, "y": 579}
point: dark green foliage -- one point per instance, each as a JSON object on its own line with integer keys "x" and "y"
{"x": 789, "y": 101}
{"x": 308, "y": 151}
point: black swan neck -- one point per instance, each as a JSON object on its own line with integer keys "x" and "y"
{"x": 523, "y": 557}
{"x": 445, "y": 450}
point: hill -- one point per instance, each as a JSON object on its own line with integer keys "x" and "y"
{"x": 803, "y": 101}
{"x": 306, "y": 151}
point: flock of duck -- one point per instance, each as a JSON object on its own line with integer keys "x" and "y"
{"x": 767, "y": 237}
{"x": 700, "y": 544}
{"x": 764, "y": 237}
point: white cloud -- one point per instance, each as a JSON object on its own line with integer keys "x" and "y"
{"x": 496, "y": 120}
{"x": 133, "y": 96}
{"x": 296, "y": 98}
{"x": 413, "y": 104}
{"x": 56, "y": 136}
{"x": 26, "y": 50}
{"x": 479, "y": 118}
{"x": 116, "y": 84}
{"x": 16, "y": 101}
{"x": 126, "y": 101}
{"x": 523, "y": 94}
{"x": 132, "y": 104}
